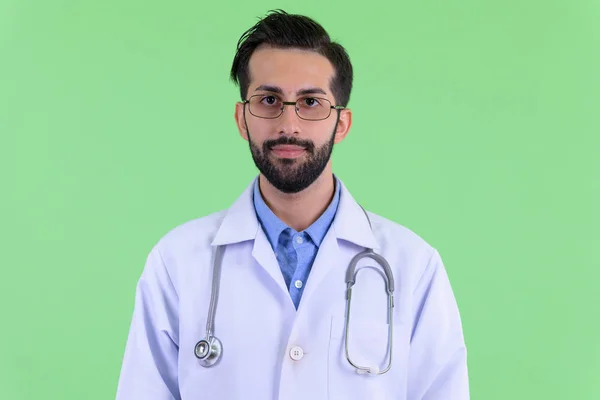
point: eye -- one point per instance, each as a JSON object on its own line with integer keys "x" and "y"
{"x": 310, "y": 102}
{"x": 269, "y": 100}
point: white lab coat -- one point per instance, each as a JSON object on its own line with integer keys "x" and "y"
{"x": 258, "y": 324}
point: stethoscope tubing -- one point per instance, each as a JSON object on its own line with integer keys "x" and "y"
{"x": 210, "y": 349}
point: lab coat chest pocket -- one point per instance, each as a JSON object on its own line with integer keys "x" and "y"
{"x": 367, "y": 347}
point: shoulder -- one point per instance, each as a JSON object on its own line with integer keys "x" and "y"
{"x": 190, "y": 236}
{"x": 403, "y": 247}
{"x": 391, "y": 233}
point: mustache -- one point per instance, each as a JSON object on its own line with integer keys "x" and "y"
{"x": 269, "y": 144}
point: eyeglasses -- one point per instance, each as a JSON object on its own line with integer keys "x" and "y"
{"x": 309, "y": 108}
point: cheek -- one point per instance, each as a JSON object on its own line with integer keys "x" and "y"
{"x": 257, "y": 134}
{"x": 259, "y": 128}
{"x": 322, "y": 132}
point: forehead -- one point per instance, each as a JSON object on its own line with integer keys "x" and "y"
{"x": 290, "y": 69}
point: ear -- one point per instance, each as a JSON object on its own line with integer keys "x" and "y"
{"x": 239, "y": 120}
{"x": 343, "y": 126}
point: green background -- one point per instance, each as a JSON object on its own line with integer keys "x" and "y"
{"x": 476, "y": 125}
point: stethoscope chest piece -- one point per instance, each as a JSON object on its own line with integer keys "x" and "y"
{"x": 209, "y": 351}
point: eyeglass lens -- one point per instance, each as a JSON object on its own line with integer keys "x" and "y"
{"x": 270, "y": 106}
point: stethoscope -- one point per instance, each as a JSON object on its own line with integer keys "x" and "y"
{"x": 210, "y": 349}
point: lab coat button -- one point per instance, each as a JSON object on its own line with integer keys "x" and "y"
{"x": 296, "y": 353}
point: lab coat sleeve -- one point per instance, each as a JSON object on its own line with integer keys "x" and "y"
{"x": 438, "y": 355}
{"x": 149, "y": 369}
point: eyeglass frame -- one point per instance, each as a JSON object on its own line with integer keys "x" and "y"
{"x": 294, "y": 103}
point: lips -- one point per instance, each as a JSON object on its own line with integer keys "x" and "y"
{"x": 287, "y": 147}
{"x": 287, "y": 150}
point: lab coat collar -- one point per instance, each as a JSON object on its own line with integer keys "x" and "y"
{"x": 241, "y": 223}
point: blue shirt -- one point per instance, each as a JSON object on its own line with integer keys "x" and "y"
{"x": 295, "y": 251}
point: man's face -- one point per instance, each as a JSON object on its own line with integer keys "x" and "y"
{"x": 289, "y": 151}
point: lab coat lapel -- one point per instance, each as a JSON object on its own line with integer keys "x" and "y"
{"x": 264, "y": 255}
{"x": 326, "y": 259}
{"x": 350, "y": 224}
{"x": 241, "y": 224}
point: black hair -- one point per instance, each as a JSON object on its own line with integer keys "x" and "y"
{"x": 282, "y": 30}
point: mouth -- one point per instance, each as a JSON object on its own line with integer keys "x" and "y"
{"x": 288, "y": 151}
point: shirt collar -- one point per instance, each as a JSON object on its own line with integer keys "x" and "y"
{"x": 273, "y": 226}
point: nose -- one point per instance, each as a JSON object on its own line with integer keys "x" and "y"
{"x": 288, "y": 121}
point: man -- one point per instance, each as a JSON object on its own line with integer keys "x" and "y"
{"x": 251, "y": 302}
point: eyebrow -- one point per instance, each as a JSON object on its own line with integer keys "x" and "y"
{"x": 301, "y": 92}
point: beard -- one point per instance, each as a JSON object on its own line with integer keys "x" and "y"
{"x": 291, "y": 175}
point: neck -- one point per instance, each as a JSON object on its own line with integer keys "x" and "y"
{"x": 300, "y": 210}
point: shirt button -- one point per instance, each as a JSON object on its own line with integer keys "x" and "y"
{"x": 296, "y": 353}
{"x": 298, "y": 284}
{"x": 299, "y": 239}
